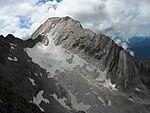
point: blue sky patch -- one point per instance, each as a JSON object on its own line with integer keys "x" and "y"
{"x": 24, "y": 22}
{"x": 44, "y": 1}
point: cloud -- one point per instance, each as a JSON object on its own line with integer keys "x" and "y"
{"x": 124, "y": 45}
{"x": 121, "y": 43}
{"x": 21, "y": 18}
{"x": 124, "y": 17}
{"x": 109, "y": 16}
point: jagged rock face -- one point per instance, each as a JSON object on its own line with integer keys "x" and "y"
{"x": 64, "y": 68}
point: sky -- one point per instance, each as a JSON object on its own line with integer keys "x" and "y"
{"x": 120, "y": 19}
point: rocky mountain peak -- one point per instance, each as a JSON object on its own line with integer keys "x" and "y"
{"x": 69, "y": 34}
{"x": 64, "y": 68}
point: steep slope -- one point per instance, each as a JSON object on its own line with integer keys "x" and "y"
{"x": 64, "y": 68}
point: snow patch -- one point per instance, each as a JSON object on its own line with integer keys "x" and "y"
{"x": 12, "y": 48}
{"x": 53, "y": 58}
{"x": 35, "y": 74}
{"x": 32, "y": 81}
{"x": 39, "y": 98}
{"x": 28, "y": 60}
{"x": 109, "y": 85}
{"x": 13, "y": 44}
{"x": 137, "y": 89}
{"x": 61, "y": 101}
{"x": 131, "y": 99}
{"x": 12, "y": 59}
{"x": 87, "y": 93}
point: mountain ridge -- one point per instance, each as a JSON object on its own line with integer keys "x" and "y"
{"x": 140, "y": 48}
{"x": 63, "y": 68}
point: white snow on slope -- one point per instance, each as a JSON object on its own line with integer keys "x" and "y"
{"x": 109, "y": 85}
{"x": 38, "y": 99}
{"x": 32, "y": 81}
{"x": 87, "y": 93}
{"x": 61, "y": 101}
{"x": 12, "y": 46}
{"x": 131, "y": 99}
{"x": 12, "y": 59}
{"x": 137, "y": 89}
{"x": 54, "y": 58}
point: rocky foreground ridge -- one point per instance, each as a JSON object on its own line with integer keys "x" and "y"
{"x": 63, "y": 68}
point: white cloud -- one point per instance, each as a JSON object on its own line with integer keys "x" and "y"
{"x": 126, "y": 17}
{"x": 121, "y": 43}
{"x": 124, "y": 45}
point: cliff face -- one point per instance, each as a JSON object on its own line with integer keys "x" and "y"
{"x": 64, "y": 68}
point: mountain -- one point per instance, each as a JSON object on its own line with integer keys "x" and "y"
{"x": 63, "y": 68}
{"x": 141, "y": 48}
{"x": 137, "y": 39}
{"x": 143, "y": 51}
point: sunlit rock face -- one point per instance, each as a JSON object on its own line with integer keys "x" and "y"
{"x": 64, "y": 68}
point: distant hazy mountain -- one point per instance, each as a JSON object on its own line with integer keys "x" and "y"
{"x": 140, "y": 46}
